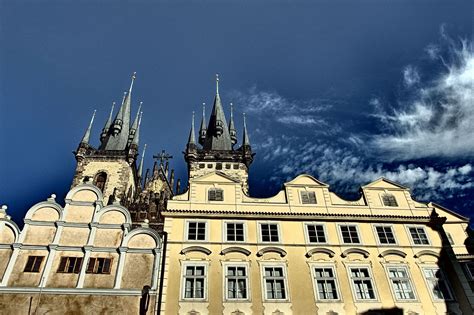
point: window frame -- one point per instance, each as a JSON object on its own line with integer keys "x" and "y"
{"x": 412, "y": 241}
{"x": 341, "y": 237}
{"x": 306, "y": 191}
{"x": 468, "y": 271}
{"x": 430, "y": 289}
{"x": 410, "y": 281}
{"x": 370, "y": 277}
{"x": 206, "y": 230}
{"x": 227, "y": 264}
{"x": 95, "y": 267}
{"x": 183, "y": 280}
{"x": 306, "y": 232}
{"x": 224, "y": 231}
{"x": 215, "y": 189}
{"x": 260, "y": 235}
{"x": 35, "y": 258}
{"x": 76, "y": 270}
{"x": 390, "y": 195}
{"x": 314, "y": 266}
{"x": 285, "y": 281}
{"x": 375, "y": 226}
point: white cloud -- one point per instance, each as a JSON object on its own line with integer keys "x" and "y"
{"x": 410, "y": 76}
{"x": 438, "y": 120}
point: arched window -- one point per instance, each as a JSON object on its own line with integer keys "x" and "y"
{"x": 100, "y": 180}
{"x": 215, "y": 194}
{"x": 389, "y": 200}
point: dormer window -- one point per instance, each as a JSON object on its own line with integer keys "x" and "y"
{"x": 215, "y": 194}
{"x": 308, "y": 197}
{"x": 389, "y": 200}
{"x": 100, "y": 180}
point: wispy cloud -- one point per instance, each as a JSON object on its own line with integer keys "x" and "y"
{"x": 437, "y": 120}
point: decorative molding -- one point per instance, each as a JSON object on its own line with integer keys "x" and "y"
{"x": 393, "y": 252}
{"x": 426, "y": 252}
{"x": 355, "y": 251}
{"x": 73, "y": 291}
{"x": 313, "y": 251}
{"x": 270, "y": 250}
{"x": 195, "y": 249}
{"x": 235, "y": 249}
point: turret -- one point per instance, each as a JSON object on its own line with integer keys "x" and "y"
{"x": 106, "y": 128}
{"x": 192, "y": 138}
{"x": 203, "y": 128}
{"x": 232, "y": 131}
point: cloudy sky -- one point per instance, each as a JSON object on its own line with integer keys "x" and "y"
{"x": 347, "y": 91}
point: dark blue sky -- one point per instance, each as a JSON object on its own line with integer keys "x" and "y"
{"x": 328, "y": 86}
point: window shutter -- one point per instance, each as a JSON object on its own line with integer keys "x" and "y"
{"x": 90, "y": 266}
{"x": 77, "y": 266}
{"x": 212, "y": 194}
{"x": 304, "y": 197}
{"x": 219, "y": 195}
{"x": 62, "y": 264}
{"x": 311, "y": 197}
{"x": 106, "y": 268}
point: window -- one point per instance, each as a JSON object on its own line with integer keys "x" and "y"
{"x": 215, "y": 194}
{"x": 470, "y": 270}
{"x": 308, "y": 197}
{"x": 99, "y": 265}
{"x": 349, "y": 234}
{"x": 389, "y": 200}
{"x": 70, "y": 264}
{"x": 362, "y": 283}
{"x": 450, "y": 238}
{"x": 33, "y": 263}
{"x": 401, "y": 283}
{"x": 209, "y": 165}
{"x": 194, "y": 282}
{"x": 202, "y": 165}
{"x": 418, "y": 235}
{"x": 274, "y": 281}
{"x": 100, "y": 180}
{"x": 218, "y": 166}
{"x": 236, "y": 282}
{"x": 234, "y": 232}
{"x": 236, "y": 166}
{"x": 227, "y": 166}
{"x": 316, "y": 233}
{"x": 196, "y": 231}
{"x": 437, "y": 283}
{"x": 325, "y": 283}
{"x": 385, "y": 234}
{"x": 269, "y": 232}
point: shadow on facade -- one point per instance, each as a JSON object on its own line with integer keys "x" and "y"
{"x": 384, "y": 311}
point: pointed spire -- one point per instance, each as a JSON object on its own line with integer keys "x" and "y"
{"x": 136, "y": 138}
{"x": 140, "y": 168}
{"x": 246, "y": 141}
{"x": 178, "y": 186}
{"x": 135, "y": 122}
{"x": 232, "y": 131}
{"x": 87, "y": 134}
{"x": 192, "y": 137}
{"x": 217, "y": 135}
{"x": 107, "y": 123}
{"x": 203, "y": 128}
{"x": 172, "y": 179}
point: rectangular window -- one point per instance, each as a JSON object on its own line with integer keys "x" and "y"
{"x": 437, "y": 283}
{"x": 385, "y": 234}
{"x": 349, "y": 234}
{"x": 215, "y": 194}
{"x": 218, "y": 166}
{"x": 389, "y": 200}
{"x": 70, "y": 264}
{"x": 316, "y": 233}
{"x": 236, "y": 166}
{"x": 33, "y": 263}
{"x": 194, "y": 282}
{"x": 227, "y": 166}
{"x": 236, "y": 281}
{"x": 401, "y": 283}
{"x": 274, "y": 281}
{"x": 362, "y": 283}
{"x": 209, "y": 165}
{"x": 196, "y": 231}
{"x": 202, "y": 165}
{"x": 269, "y": 232}
{"x": 325, "y": 282}
{"x": 234, "y": 232}
{"x": 418, "y": 235}
{"x": 308, "y": 197}
{"x": 99, "y": 265}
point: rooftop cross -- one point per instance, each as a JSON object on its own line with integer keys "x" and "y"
{"x": 163, "y": 156}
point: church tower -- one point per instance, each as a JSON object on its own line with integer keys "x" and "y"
{"x": 217, "y": 141}
{"x": 112, "y": 167}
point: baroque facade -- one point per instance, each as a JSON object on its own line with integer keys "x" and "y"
{"x": 132, "y": 243}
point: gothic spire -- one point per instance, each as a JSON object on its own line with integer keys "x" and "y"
{"x": 136, "y": 138}
{"x": 87, "y": 134}
{"x": 107, "y": 124}
{"x": 246, "y": 141}
{"x": 203, "y": 128}
{"x": 217, "y": 135}
{"x": 232, "y": 131}
{"x": 192, "y": 137}
{"x": 118, "y": 135}
{"x": 140, "y": 168}
{"x": 134, "y": 127}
